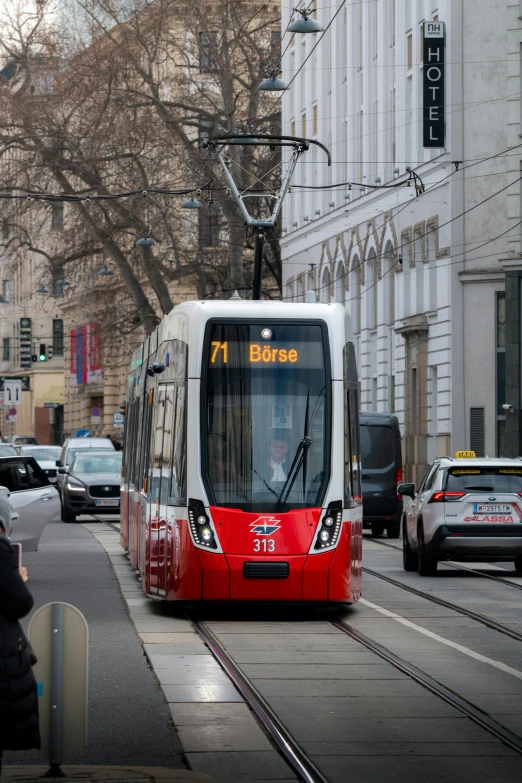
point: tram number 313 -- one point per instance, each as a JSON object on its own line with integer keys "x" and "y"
{"x": 264, "y": 545}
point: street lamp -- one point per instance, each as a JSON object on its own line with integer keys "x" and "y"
{"x": 42, "y": 290}
{"x": 273, "y": 84}
{"x": 105, "y": 272}
{"x": 63, "y": 282}
{"x": 145, "y": 242}
{"x": 192, "y": 203}
{"x": 305, "y": 24}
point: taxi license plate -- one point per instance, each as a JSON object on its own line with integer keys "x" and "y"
{"x": 492, "y": 508}
{"x": 108, "y": 502}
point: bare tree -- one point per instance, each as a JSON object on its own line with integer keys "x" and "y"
{"x": 120, "y": 106}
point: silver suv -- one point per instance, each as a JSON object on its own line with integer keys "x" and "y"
{"x": 464, "y": 509}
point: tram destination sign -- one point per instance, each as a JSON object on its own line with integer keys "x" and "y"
{"x": 434, "y": 119}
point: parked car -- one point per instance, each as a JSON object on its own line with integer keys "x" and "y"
{"x": 381, "y": 462}
{"x": 33, "y": 498}
{"x": 6, "y": 450}
{"x": 19, "y": 440}
{"x": 45, "y": 456}
{"x": 72, "y": 447}
{"x": 92, "y": 483}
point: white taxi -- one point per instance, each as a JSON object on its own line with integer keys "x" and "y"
{"x": 466, "y": 508}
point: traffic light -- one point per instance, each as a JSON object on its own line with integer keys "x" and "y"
{"x": 42, "y": 354}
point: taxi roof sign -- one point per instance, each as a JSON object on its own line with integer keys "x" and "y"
{"x": 465, "y": 455}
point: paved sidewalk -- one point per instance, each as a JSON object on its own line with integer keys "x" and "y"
{"x": 80, "y": 774}
{"x": 129, "y": 721}
{"x": 218, "y": 732}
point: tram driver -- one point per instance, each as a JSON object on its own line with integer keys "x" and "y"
{"x": 277, "y": 468}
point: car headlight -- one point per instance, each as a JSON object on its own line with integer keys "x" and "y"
{"x": 75, "y": 487}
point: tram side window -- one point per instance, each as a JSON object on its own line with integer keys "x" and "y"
{"x": 179, "y": 453}
{"x": 156, "y": 454}
{"x": 143, "y": 468}
{"x": 168, "y": 430}
{"x": 136, "y": 444}
{"x": 352, "y": 459}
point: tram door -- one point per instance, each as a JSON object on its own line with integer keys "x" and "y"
{"x": 159, "y": 487}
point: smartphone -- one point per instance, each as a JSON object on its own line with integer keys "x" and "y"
{"x": 19, "y": 547}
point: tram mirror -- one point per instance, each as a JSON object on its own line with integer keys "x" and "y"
{"x": 407, "y": 489}
{"x": 62, "y": 471}
{"x": 59, "y": 464}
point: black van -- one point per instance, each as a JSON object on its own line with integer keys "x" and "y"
{"x": 381, "y": 465}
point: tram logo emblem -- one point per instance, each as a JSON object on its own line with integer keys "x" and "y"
{"x": 265, "y": 526}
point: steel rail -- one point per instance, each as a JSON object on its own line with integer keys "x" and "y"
{"x": 458, "y": 566}
{"x": 105, "y": 522}
{"x": 480, "y": 618}
{"x": 468, "y": 709}
{"x": 287, "y": 745}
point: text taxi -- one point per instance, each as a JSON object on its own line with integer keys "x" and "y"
{"x": 466, "y": 508}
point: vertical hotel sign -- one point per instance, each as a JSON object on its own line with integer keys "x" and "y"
{"x": 434, "y": 119}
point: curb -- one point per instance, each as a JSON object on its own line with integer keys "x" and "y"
{"x": 91, "y": 774}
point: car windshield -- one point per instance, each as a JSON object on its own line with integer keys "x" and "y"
{"x": 51, "y": 454}
{"x": 73, "y": 452}
{"x": 97, "y": 463}
{"x": 501, "y": 479}
{"x": 267, "y": 422}
{"x": 378, "y": 447}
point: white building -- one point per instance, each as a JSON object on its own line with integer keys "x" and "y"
{"x": 422, "y": 275}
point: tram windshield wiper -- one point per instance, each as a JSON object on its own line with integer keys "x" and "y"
{"x": 297, "y": 463}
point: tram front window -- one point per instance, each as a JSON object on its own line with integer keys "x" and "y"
{"x": 267, "y": 429}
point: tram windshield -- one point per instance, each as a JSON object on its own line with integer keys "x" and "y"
{"x": 267, "y": 430}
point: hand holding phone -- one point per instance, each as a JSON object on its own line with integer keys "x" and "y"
{"x": 19, "y": 547}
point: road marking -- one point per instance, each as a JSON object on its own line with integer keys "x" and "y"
{"x": 472, "y": 654}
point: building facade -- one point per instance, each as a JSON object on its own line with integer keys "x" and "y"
{"x": 419, "y": 259}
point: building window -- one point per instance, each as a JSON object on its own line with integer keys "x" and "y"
{"x": 303, "y": 125}
{"x": 314, "y": 119}
{"x": 57, "y": 216}
{"x": 434, "y": 400}
{"x": 410, "y": 51}
{"x": 57, "y": 337}
{"x": 292, "y": 128}
{"x": 6, "y": 356}
{"x": 421, "y": 43}
{"x": 5, "y": 229}
{"x": 207, "y": 52}
{"x": 477, "y": 431}
{"x": 6, "y": 290}
{"x": 501, "y": 371}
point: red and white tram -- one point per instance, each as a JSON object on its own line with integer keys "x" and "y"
{"x": 240, "y": 473}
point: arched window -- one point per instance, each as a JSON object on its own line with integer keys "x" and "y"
{"x": 325, "y": 286}
{"x": 371, "y": 290}
{"x": 340, "y": 283}
{"x": 300, "y": 290}
{"x": 355, "y": 294}
{"x": 419, "y": 271}
{"x": 388, "y": 277}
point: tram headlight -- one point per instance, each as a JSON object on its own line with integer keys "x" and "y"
{"x": 329, "y": 528}
{"x": 200, "y": 526}
{"x": 324, "y": 535}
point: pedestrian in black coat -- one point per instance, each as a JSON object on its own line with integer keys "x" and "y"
{"x": 18, "y": 696}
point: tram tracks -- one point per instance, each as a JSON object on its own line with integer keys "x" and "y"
{"x": 282, "y": 738}
{"x": 288, "y": 745}
{"x": 457, "y": 566}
